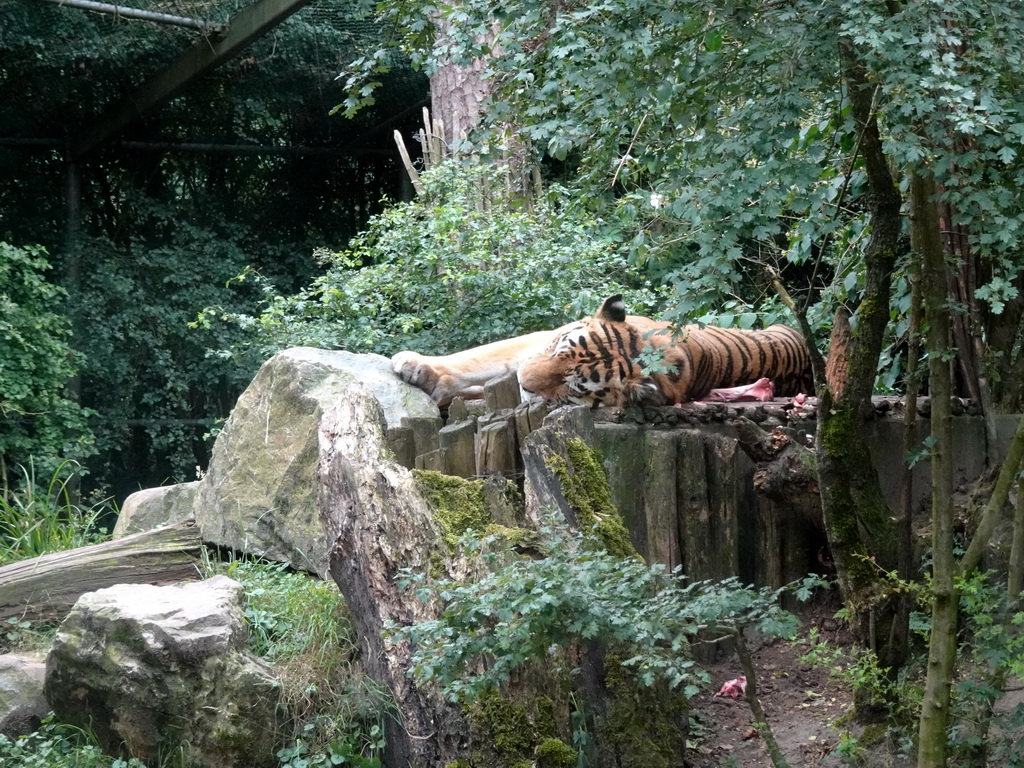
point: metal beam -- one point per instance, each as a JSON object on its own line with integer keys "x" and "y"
{"x": 206, "y": 54}
{"x": 126, "y": 12}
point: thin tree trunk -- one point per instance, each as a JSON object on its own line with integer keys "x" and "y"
{"x": 905, "y": 555}
{"x": 858, "y": 522}
{"x": 760, "y": 719}
{"x": 942, "y": 643}
{"x": 1015, "y": 579}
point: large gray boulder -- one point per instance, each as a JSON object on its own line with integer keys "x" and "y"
{"x": 155, "y": 669}
{"x": 259, "y": 495}
{"x": 22, "y": 704}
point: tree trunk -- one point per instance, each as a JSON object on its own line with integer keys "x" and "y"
{"x": 942, "y": 643}
{"x": 47, "y": 587}
{"x": 457, "y": 95}
{"x": 858, "y": 522}
{"x": 906, "y": 554}
{"x": 377, "y": 523}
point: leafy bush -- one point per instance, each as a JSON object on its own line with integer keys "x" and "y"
{"x": 451, "y": 270}
{"x": 56, "y": 745}
{"x": 576, "y": 593}
{"x": 37, "y": 418}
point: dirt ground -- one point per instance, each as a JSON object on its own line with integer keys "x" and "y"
{"x": 801, "y": 703}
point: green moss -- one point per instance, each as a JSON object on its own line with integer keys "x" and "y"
{"x": 458, "y": 503}
{"x": 505, "y": 726}
{"x": 544, "y": 717}
{"x": 555, "y": 753}
{"x": 585, "y": 487}
{"x": 642, "y": 725}
{"x": 459, "y": 764}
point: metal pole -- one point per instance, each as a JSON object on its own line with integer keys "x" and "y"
{"x": 138, "y": 13}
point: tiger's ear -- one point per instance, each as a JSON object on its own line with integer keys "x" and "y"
{"x": 613, "y": 309}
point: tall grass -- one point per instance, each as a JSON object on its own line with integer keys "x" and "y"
{"x": 39, "y": 517}
{"x": 300, "y": 624}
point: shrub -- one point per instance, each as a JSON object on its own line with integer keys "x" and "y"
{"x": 56, "y": 745}
{"x": 451, "y": 270}
{"x": 37, "y": 417}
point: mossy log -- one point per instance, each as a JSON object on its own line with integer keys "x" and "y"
{"x": 46, "y": 587}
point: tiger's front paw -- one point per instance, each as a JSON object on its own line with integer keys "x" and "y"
{"x": 414, "y": 368}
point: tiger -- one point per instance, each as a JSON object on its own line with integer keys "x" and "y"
{"x": 463, "y": 374}
{"x": 593, "y": 362}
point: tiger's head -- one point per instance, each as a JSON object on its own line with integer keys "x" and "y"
{"x": 592, "y": 362}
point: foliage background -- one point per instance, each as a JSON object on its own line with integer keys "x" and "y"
{"x": 165, "y": 224}
{"x": 446, "y": 272}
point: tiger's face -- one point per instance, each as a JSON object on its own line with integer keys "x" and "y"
{"x": 592, "y": 363}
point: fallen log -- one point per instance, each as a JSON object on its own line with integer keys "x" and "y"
{"x": 46, "y": 587}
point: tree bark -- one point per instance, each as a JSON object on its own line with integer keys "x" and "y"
{"x": 942, "y": 641}
{"x": 47, "y": 587}
{"x": 858, "y": 522}
{"x": 906, "y": 555}
{"x": 377, "y": 523}
{"x": 457, "y": 95}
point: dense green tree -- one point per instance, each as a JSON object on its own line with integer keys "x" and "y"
{"x": 247, "y": 167}
{"x": 39, "y": 424}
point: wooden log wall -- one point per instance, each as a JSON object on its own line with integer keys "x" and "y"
{"x": 678, "y": 476}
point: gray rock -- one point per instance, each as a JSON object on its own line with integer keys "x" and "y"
{"x": 22, "y": 704}
{"x": 259, "y": 495}
{"x": 165, "y": 668}
{"x": 153, "y": 507}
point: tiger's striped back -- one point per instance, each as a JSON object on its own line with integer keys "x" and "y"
{"x": 593, "y": 362}
{"x": 708, "y": 357}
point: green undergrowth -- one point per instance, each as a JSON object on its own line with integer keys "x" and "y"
{"x": 39, "y": 516}
{"x": 300, "y": 624}
{"x": 22, "y": 636}
{"x": 57, "y": 745}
